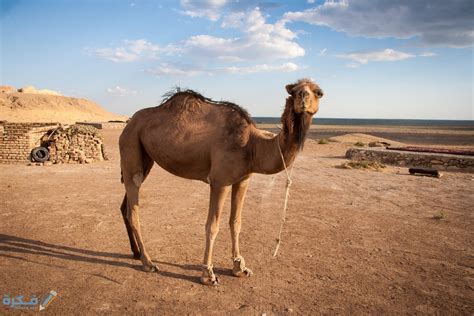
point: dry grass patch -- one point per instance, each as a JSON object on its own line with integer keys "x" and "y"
{"x": 363, "y": 164}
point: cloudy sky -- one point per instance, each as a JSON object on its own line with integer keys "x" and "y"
{"x": 373, "y": 58}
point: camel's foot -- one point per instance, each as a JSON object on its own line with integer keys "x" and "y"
{"x": 148, "y": 266}
{"x": 240, "y": 270}
{"x": 208, "y": 277}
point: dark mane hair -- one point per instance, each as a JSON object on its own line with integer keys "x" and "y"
{"x": 295, "y": 124}
{"x": 177, "y": 92}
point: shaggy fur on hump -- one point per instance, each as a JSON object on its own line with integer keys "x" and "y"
{"x": 177, "y": 92}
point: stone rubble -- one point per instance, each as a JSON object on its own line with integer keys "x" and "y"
{"x": 66, "y": 144}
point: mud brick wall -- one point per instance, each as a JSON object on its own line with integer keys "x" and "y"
{"x": 413, "y": 159}
{"x": 105, "y": 125}
{"x": 76, "y": 144}
{"x": 18, "y": 139}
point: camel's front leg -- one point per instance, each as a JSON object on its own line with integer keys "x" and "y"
{"x": 218, "y": 195}
{"x": 238, "y": 195}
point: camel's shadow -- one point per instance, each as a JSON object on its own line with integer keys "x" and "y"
{"x": 11, "y": 245}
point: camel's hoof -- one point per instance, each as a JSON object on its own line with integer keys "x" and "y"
{"x": 150, "y": 268}
{"x": 243, "y": 273}
{"x": 208, "y": 277}
{"x": 240, "y": 270}
{"x": 210, "y": 281}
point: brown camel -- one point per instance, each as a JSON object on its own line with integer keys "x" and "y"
{"x": 217, "y": 142}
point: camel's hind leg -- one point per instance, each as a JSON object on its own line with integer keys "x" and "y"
{"x": 132, "y": 187}
{"x": 135, "y": 164}
{"x": 147, "y": 164}
{"x": 131, "y": 236}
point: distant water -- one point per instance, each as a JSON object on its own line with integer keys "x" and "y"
{"x": 443, "y": 136}
{"x": 466, "y": 125}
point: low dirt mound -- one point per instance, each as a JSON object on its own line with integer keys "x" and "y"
{"x": 362, "y": 138}
{"x": 38, "y": 107}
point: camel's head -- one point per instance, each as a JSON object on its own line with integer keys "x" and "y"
{"x": 306, "y": 95}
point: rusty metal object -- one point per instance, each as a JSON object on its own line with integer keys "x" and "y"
{"x": 464, "y": 152}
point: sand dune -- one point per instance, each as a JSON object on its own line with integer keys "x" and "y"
{"x": 34, "y": 107}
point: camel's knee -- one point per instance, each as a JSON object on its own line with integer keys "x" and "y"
{"x": 212, "y": 231}
{"x": 235, "y": 225}
{"x": 138, "y": 179}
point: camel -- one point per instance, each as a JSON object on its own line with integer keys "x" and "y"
{"x": 197, "y": 138}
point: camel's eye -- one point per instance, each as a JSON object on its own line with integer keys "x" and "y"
{"x": 319, "y": 93}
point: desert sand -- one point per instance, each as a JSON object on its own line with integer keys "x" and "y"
{"x": 355, "y": 241}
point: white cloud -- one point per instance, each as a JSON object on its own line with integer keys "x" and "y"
{"x": 288, "y": 67}
{"x": 442, "y": 23}
{"x": 427, "y": 54}
{"x": 165, "y": 69}
{"x": 215, "y": 9}
{"x": 362, "y": 58}
{"x": 323, "y": 52}
{"x": 120, "y": 92}
{"x": 259, "y": 41}
{"x": 131, "y": 50}
{"x": 209, "y": 9}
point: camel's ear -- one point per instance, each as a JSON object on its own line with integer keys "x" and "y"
{"x": 319, "y": 92}
{"x": 289, "y": 88}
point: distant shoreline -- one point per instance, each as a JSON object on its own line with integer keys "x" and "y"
{"x": 439, "y": 135}
{"x": 451, "y": 124}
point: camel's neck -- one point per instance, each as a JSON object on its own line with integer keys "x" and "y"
{"x": 266, "y": 154}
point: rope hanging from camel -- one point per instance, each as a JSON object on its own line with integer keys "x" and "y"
{"x": 287, "y": 195}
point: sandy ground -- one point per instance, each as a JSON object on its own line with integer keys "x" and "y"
{"x": 355, "y": 241}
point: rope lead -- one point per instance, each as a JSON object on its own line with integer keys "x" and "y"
{"x": 287, "y": 195}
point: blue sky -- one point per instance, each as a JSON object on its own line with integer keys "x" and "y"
{"x": 373, "y": 58}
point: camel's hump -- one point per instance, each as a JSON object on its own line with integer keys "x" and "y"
{"x": 184, "y": 99}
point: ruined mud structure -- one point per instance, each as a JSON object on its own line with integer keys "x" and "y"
{"x": 65, "y": 144}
